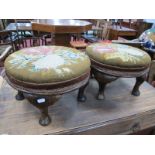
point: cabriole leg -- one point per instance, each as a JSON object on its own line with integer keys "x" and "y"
{"x": 81, "y": 96}
{"x": 45, "y": 119}
{"x": 19, "y": 96}
{"x": 102, "y": 79}
{"x": 139, "y": 81}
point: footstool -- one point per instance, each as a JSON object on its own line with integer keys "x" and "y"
{"x": 111, "y": 61}
{"x": 42, "y": 74}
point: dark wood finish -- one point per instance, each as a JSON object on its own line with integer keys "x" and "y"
{"x": 19, "y": 96}
{"x": 62, "y": 39}
{"x": 6, "y": 45}
{"x": 116, "y": 32}
{"x": 119, "y": 113}
{"x": 17, "y": 35}
{"x": 141, "y": 26}
{"x": 62, "y": 28}
{"x": 41, "y": 33}
{"x": 139, "y": 81}
{"x": 6, "y": 38}
{"x": 102, "y": 79}
{"x": 48, "y": 88}
{"x": 45, "y": 118}
{"x": 66, "y": 25}
{"x": 42, "y": 27}
{"x": 81, "y": 97}
{"x": 105, "y": 74}
{"x": 136, "y": 44}
{"x": 44, "y": 95}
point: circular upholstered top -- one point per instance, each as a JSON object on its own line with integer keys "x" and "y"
{"x": 47, "y": 64}
{"x": 118, "y": 55}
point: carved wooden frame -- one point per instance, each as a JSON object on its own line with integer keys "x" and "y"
{"x": 44, "y": 95}
{"x": 105, "y": 74}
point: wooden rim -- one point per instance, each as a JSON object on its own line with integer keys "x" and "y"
{"x": 50, "y": 88}
{"x": 120, "y": 73}
{"x": 115, "y": 68}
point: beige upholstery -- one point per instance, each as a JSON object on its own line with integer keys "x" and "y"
{"x": 118, "y": 55}
{"x": 47, "y": 64}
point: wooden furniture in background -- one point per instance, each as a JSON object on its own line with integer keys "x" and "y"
{"x": 21, "y": 32}
{"x": 97, "y": 29}
{"x": 6, "y": 38}
{"x": 139, "y": 25}
{"x": 63, "y": 28}
{"x": 116, "y": 32}
{"x": 119, "y": 113}
{"x": 100, "y": 31}
{"x": 78, "y": 43}
{"x": 6, "y": 45}
{"x": 41, "y": 33}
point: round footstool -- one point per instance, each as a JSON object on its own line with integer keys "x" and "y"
{"x": 111, "y": 61}
{"x": 42, "y": 74}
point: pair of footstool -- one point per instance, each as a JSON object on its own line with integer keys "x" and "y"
{"x": 42, "y": 74}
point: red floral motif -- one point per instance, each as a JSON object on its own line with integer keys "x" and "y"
{"x": 37, "y": 50}
{"x": 45, "y": 50}
{"x": 105, "y": 41}
{"x": 104, "y": 49}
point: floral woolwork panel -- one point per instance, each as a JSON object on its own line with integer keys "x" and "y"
{"x": 46, "y": 64}
{"x": 118, "y": 55}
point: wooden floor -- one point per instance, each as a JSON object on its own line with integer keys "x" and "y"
{"x": 119, "y": 113}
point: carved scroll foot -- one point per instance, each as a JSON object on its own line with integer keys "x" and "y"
{"x": 100, "y": 95}
{"x": 139, "y": 81}
{"x": 19, "y": 96}
{"x": 81, "y": 96}
{"x": 42, "y": 103}
{"x": 102, "y": 79}
{"x": 45, "y": 118}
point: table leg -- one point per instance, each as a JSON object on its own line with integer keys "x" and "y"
{"x": 62, "y": 39}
